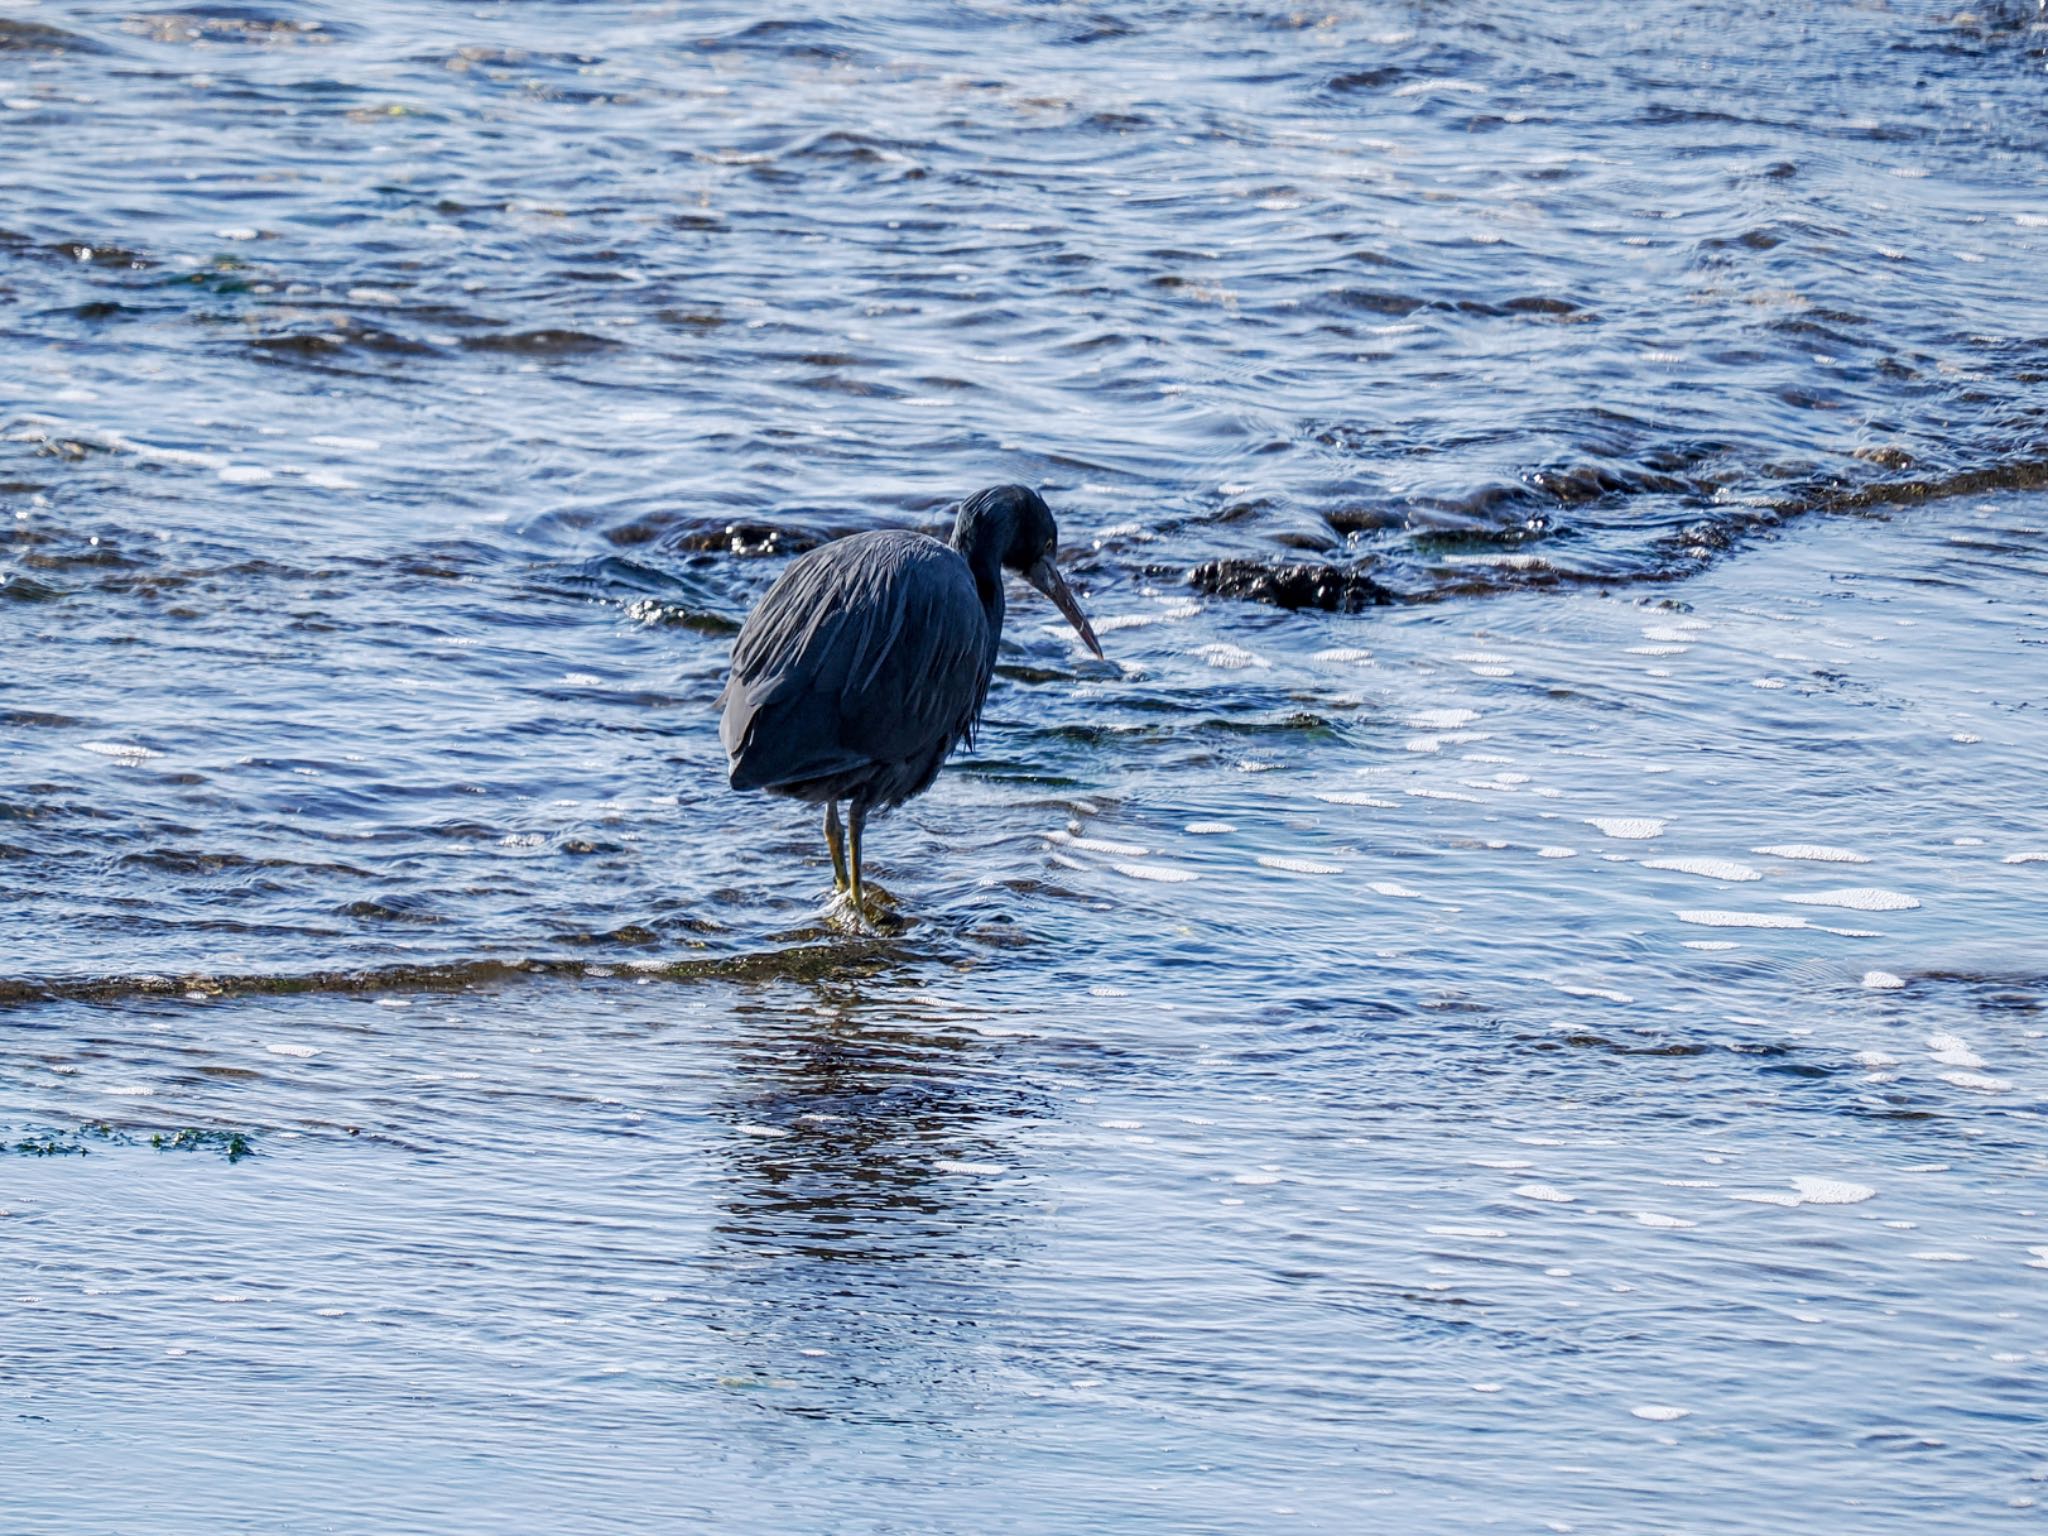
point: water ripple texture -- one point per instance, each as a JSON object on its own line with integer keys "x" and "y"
{"x": 1514, "y": 997}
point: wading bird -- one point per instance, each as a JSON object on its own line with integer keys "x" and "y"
{"x": 869, "y": 659}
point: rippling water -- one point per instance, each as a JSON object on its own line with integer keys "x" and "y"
{"x": 1515, "y": 996}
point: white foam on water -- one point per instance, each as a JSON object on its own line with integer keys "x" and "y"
{"x": 328, "y": 480}
{"x": 984, "y": 1170}
{"x": 1953, "y": 1051}
{"x": 1432, "y": 87}
{"x": 1858, "y": 899}
{"x": 1814, "y": 852}
{"x": 1260, "y": 1177}
{"x": 1818, "y": 1191}
{"x": 1553, "y": 852}
{"x": 1883, "y": 981}
{"x": 1355, "y": 797}
{"x": 1549, "y": 1194}
{"x": 1709, "y": 944}
{"x": 1977, "y": 1082}
{"x": 1660, "y": 1413}
{"x": 126, "y": 751}
{"x": 1442, "y": 719}
{"x": 1685, "y": 634}
{"x": 1876, "y": 1059}
{"x": 1635, "y": 827}
{"x": 2039, "y": 1259}
{"x": 246, "y": 474}
{"x": 1393, "y": 888}
{"x": 1342, "y": 654}
{"x": 1767, "y": 682}
{"x": 1490, "y": 670}
{"x": 763, "y": 1132}
{"x": 1658, "y": 650}
{"x": 1101, "y": 845}
{"x": 1485, "y": 1386}
{"x": 1422, "y": 744}
{"x": 130, "y": 1091}
{"x": 1209, "y": 828}
{"x": 1712, "y": 869}
{"x": 1764, "y": 1196}
{"x": 188, "y": 457}
{"x": 1507, "y": 1163}
{"x": 1574, "y": 990}
{"x": 1464, "y": 1232}
{"x": 2026, "y": 858}
{"x": 1658, "y": 1219}
{"x": 300, "y": 1051}
{"x": 1848, "y": 933}
{"x": 1230, "y": 657}
{"x": 1299, "y": 866}
{"x": 1161, "y": 872}
{"x": 1104, "y": 624}
{"x": 1941, "y": 1256}
{"x": 1441, "y": 794}
{"x": 1741, "y": 919}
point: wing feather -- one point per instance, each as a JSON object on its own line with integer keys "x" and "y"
{"x": 871, "y": 652}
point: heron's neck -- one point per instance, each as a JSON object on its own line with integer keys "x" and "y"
{"x": 986, "y": 562}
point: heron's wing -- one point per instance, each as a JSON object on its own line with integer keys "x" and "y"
{"x": 871, "y": 651}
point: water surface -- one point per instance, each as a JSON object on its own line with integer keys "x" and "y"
{"x": 1513, "y": 998}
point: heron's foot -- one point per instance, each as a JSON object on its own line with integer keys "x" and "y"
{"x": 875, "y": 913}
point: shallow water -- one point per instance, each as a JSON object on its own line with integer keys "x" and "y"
{"x": 1561, "y": 1049}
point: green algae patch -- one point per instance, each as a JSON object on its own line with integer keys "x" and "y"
{"x": 55, "y": 1143}
{"x": 50, "y": 1142}
{"x": 232, "y": 1145}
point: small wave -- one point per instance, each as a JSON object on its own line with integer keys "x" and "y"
{"x": 836, "y": 960}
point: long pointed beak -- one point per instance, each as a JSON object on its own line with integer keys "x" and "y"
{"x": 1047, "y": 578}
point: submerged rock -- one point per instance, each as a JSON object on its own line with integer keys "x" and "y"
{"x": 1332, "y": 588}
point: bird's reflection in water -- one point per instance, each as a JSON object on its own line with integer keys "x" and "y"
{"x": 872, "y": 1213}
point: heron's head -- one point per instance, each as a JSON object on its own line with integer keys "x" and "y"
{"x": 1014, "y": 523}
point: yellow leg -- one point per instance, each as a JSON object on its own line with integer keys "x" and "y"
{"x": 832, "y": 841}
{"x": 856, "y": 818}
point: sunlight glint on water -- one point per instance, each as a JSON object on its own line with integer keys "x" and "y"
{"x": 1558, "y": 1046}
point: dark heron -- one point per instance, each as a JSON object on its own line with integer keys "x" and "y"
{"x": 869, "y": 659}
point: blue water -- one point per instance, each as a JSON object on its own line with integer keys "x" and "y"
{"x": 1513, "y": 998}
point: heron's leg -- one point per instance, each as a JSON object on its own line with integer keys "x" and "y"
{"x": 832, "y": 841}
{"x": 856, "y": 819}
